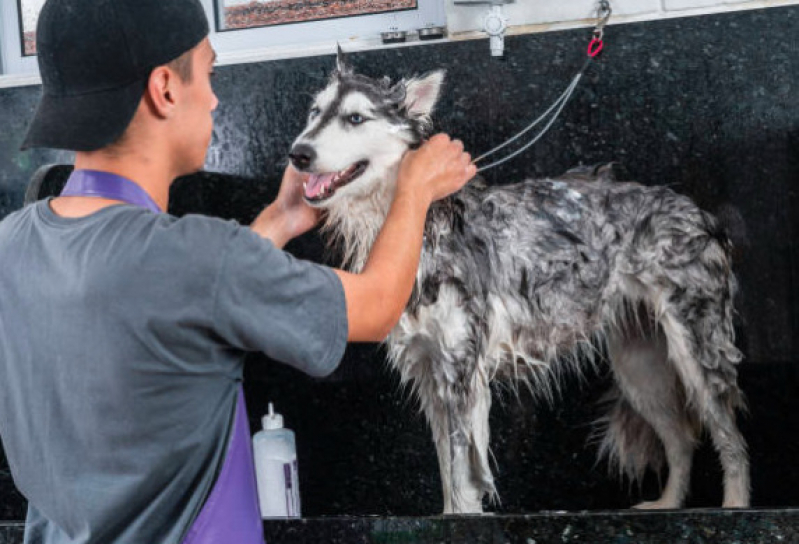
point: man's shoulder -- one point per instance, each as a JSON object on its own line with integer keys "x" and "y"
{"x": 199, "y": 230}
{"x": 16, "y": 215}
{"x": 197, "y": 224}
{"x": 11, "y": 222}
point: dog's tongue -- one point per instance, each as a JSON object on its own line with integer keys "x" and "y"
{"x": 315, "y": 183}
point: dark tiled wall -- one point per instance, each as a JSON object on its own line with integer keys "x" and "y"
{"x": 707, "y": 105}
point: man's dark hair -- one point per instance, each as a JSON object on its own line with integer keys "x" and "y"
{"x": 183, "y": 66}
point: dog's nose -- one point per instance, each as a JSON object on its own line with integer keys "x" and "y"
{"x": 302, "y": 155}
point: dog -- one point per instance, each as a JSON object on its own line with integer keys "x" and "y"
{"x": 518, "y": 282}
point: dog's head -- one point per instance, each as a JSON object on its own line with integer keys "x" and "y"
{"x": 358, "y": 130}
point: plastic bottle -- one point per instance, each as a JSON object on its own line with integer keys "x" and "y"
{"x": 275, "y": 454}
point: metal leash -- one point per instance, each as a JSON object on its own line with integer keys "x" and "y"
{"x": 594, "y": 48}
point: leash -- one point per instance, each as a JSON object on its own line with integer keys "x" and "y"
{"x": 594, "y": 48}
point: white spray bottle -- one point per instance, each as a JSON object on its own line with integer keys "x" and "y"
{"x": 275, "y": 453}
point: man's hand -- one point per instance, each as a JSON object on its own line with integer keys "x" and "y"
{"x": 289, "y": 215}
{"x": 437, "y": 169}
{"x": 291, "y": 202}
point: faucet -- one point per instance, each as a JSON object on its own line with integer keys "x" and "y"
{"x": 494, "y": 22}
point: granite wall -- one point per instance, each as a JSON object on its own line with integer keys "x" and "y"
{"x": 706, "y": 105}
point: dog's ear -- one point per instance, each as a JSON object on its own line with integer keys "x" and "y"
{"x": 421, "y": 94}
{"x": 342, "y": 68}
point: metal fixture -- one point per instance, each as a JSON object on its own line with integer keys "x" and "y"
{"x": 393, "y": 37}
{"x": 494, "y": 22}
{"x": 432, "y": 33}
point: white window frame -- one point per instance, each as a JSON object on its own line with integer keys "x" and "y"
{"x": 317, "y": 37}
{"x": 250, "y": 44}
{"x": 12, "y": 59}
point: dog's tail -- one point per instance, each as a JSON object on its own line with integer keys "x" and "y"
{"x": 734, "y": 228}
{"x": 625, "y": 439}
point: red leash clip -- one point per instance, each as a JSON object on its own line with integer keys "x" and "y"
{"x": 595, "y": 47}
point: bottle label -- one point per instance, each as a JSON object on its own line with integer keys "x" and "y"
{"x": 278, "y": 488}
{"x": 292, "y": 489}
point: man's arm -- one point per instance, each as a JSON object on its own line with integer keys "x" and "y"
{"x": 376, "y": 297}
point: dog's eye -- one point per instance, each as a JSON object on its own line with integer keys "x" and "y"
{"x": 356, "y": 119}
{"x": 314, "y": 112}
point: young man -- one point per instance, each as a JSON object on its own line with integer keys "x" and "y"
{"x": 123, "y": 330}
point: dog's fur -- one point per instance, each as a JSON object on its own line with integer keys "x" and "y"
{"x": 515, "y": 281}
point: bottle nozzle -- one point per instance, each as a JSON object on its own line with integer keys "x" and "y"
{"x": 272, "y": 420}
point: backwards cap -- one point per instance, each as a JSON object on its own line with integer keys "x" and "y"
{"x": 95, "y": 57}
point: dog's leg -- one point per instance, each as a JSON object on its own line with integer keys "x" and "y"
{"x": 438, "y": 418}
{"x": 454, "y": 393}
{"x": 650, "y": 386}
{"x": 714, "y": 402}
{"x": 719, "y": 416}
{"x": 462, "y": 448}
{"x": 469, "y": 440}
{"x": 478, "y": 458}
{"x": 467, "y": 497}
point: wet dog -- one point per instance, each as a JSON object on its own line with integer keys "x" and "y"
{"x": 517, "y": 281}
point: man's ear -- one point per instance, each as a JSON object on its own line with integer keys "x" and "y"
{"x": 421, "y": 94}
{"x": 160, "y": 91}
{"x": 342, "y": 68}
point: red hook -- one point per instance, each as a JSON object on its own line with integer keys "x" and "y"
{"x": 595, "y": 47}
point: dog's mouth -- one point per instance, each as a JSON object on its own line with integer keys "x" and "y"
{"x": 321, "y": 187}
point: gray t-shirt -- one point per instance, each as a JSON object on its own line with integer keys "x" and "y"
{"x": 122, "y": 337}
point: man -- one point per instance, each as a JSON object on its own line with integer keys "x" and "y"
{"x": 123, "y": 330}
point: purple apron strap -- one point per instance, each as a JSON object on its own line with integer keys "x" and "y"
{"x": 230, "y": 513}
{"x": 108, "y": 185}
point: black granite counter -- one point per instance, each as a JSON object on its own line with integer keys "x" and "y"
{"x": 699, "y": 527}
{"x": 750, "y": 527}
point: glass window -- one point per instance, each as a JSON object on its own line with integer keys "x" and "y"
{"x": 29, "y": 10}
{"x": 238, "y": 14}
{"x": 247, "y": 29}
{"x": 18, "y": 36}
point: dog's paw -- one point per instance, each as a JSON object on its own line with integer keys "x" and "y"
{"x": 736, "y": 504}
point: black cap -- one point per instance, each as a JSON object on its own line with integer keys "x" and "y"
{"x": 95, "y": 57}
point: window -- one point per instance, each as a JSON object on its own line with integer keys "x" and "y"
{"x": 30, "y": 15}
{"x": 238, "y": 14}
{"x": 295, "y": 27}
{"x": 18, "y": 30}
{"x": 248, "y": 29}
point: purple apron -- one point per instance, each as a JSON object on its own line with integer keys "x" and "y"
{"x": 230, "y": 513}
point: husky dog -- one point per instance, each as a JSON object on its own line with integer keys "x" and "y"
{"x": 517, "y": 281}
